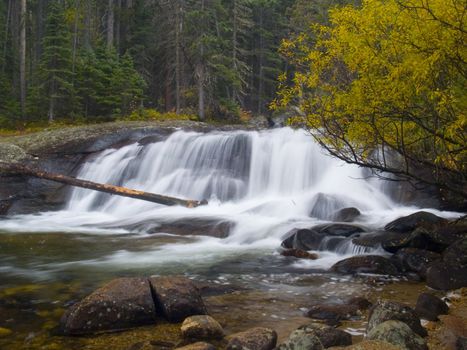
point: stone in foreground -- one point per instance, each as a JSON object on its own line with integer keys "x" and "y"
{"x": 399, "y": 334}
{"x": 197, "y": 346}
{"x": 374, "y": 264}
{"x": 202, "y": 327}
{"x": 121, "y": 304}
{"x": 388, "y": 310}
{"x": 177, "y": 297}
{"x": 430, "y": 307}
{"x": 258, "y": 338}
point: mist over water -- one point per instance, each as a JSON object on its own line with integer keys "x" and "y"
{"x": 262, "y": 184}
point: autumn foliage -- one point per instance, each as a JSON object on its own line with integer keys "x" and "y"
{"x": 384, "y": 86}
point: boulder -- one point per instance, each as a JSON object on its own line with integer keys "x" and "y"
{"x": 412, "y": 221}
{"x": 414, "y": 260}
{"x": 328, "y": 336}
{"x": 202, "y": 327}
{"x": 444, "y": 276}
{"x": 376, "y": 239}
{"x": 303, "y": 239}
{"x": 324, "y": 205}
{"x": 360, "y": 302}
{"x": 258, "y": 338}
{"x": 197, "y": 346}
{"x": 372, "y": 345}
{"x": 374, "y": 264}
{"x": 332, "y": 312}
{"x": 456, "y": 254}
{"x": 399, "y": 334}
{"x": 346, "y": 214}
{"x": 121, "y": 304}
{"x": 301, "y": 339}
{"x": 300, "y": 254}
{"x": 177, "y": 297}
{"x": 384, "y": 311}
{"x": 344, "y": 230}
{"x": 429, "y": 307}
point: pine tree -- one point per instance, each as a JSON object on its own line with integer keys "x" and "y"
{"x": 55, "y": 75}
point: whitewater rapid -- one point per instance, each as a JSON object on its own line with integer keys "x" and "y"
{"x": 264, "y": 183}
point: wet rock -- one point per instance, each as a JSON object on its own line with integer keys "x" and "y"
{"x": 372, "y": 345}
{"x": 303, "y": 239}
{"x": 325, "y": 204}
{"x": 429, "y": 307}
{"x": 461, "y": 343}
{"x": 202, "y": 327}
{"x": 346, "y": 214}
{"x": 300, "y": 254}
{"x": 121, "y": 304}
{"x": 344, "y": 230}
{"x": 444, "y": 276}
{"x": 333, "y": 312}
{"x": 197, "y": 346}
{"x": 375, "y": 239}
{"x": 414, "y": 260}
{"x": 399, "y": 334}
{"x": 258, "y": 338}
{"x": 301, "y": 339}
{"x": 152, "y": 345}
{"x": 5, "y": 204}
{"x": 384, "y": 311}
{"x": 456, "y": 254}
{"x": 184, "y": 227}
{"x": 373, "y": 264}
{"x": 411, "y": 222}
{"x": 4, "y": 332}
{"x": 328, "y": 336}
{"x": 360, "y": 302}
{"x": 177, "y": 297}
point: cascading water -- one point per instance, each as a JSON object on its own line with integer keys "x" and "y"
{"x": 261, "y": 184}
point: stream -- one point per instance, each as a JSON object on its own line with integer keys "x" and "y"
{"x": 260, "y": 185}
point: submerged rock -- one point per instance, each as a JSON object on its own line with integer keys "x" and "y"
{"x": 360, "y": 302}
{"x": 429, "y": 307}
{"x": 399, "y": 334}
{"x": 300, "y": 254}
{"x": 374, "y": 264}
{"x": 177, "y": 297}
{"x": 202, "y": 327}
{"x": 258, "y": 338}
{"x": 388, "y": 310}
{"x": 412, "y": 221}
{"x": 121, "y": 304}
{"x": 333, "y": 312}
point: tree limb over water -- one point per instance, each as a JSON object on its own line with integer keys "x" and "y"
{"x": 22, "y": 169}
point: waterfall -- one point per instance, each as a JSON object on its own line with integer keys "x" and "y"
{"x": 259, "y": 184}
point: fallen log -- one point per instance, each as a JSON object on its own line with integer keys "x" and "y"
{"x": 22, "y": 169}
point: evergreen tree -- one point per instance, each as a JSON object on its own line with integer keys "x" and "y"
{"x": 55, "y": 75}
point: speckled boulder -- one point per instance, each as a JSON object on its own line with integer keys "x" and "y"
{"x": 177, "y": 297}
{"x": 258, "y": 338}
{"x": 202, "y": 327}
{"x": 301, "y": 339}
{"x": 197, "y": 346}
{"x": 399, "y": 334}
{"x": 384, "y": 311}
{"x": 121, "y": 304}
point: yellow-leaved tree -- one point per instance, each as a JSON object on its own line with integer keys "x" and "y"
{"x": 384, "y": 86}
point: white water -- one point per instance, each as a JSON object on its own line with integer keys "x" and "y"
{"x": 265, "y": 183}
